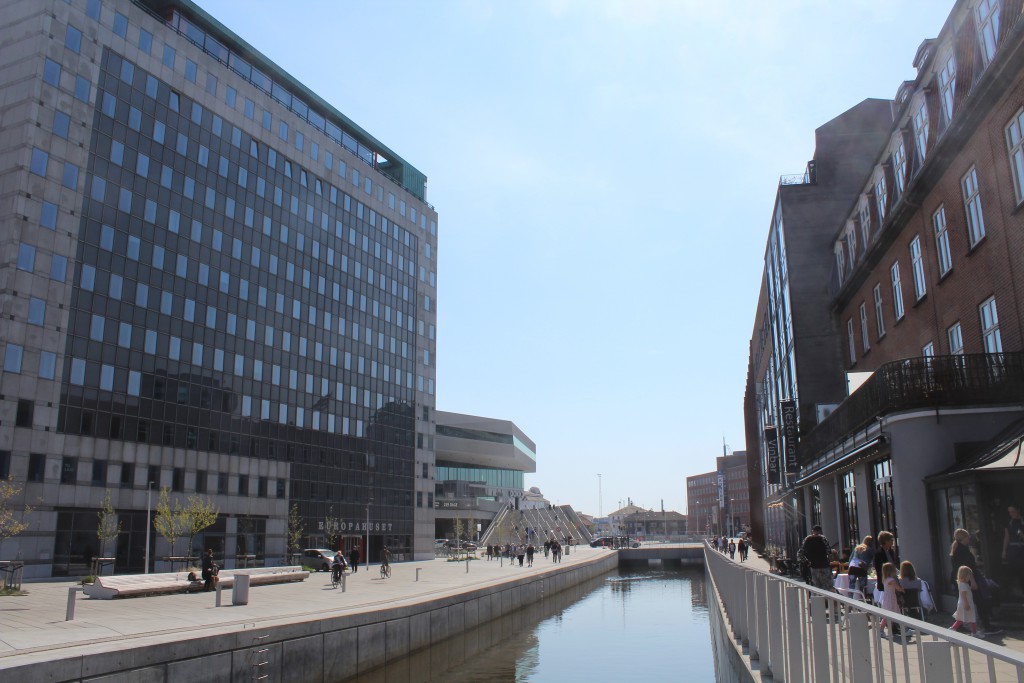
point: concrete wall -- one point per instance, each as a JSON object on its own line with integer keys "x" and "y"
{"x": 318, "y": 651}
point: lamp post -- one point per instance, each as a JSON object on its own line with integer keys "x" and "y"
{"x": 149, "y": 493}
{"x": 600, "y": 512}
{"x": 366, "y": 560}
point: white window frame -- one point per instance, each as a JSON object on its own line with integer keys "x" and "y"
{"x": 840, "y": 261}
{"x": 987, "y": 15}
{"x": 851, "y": 246}
{"x": 897, "y": 291}
{"x": 879, "y": 311}
{"x": 955, "y": 338}
{"x": 947, "y": 87}
{"x": 928, "y": 350}
{"x": 920, "y": 120}
{"x": 1015, "y": 148}
{"x": 899, "y": 170}
{"x": 865, "y": 222}
{"x": 917, "y": 266}
{"x": 991, "y": 339}
{"x": 864, "y": 327}
{"x": 850, "y": 338}
{"x": 880, "y": 198}
{"x": 972, "y": 206}
{"x": 942, "y": 241}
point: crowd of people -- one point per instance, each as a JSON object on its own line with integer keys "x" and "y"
{"x": 524, "y": 552}
{"x": 724, "y": 544}
{"x": 896, "y": 586}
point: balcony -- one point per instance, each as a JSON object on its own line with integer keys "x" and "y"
{"x": 936, "y": 382}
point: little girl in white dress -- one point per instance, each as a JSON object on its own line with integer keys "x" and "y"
{"x": 965, "y": 610}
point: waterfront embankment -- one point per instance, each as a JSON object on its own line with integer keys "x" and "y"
{"x": 303, "y": 632}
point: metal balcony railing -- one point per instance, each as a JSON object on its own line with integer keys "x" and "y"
{"x": 934, "y": 382}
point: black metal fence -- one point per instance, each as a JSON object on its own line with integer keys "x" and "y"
{"x": 933, "y": 382}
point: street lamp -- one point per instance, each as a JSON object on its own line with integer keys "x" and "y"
{"x": 366, "y": 559}
{"x": 149, "y": 493}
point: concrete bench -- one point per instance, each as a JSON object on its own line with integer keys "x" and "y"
{"x": 130, "y": 585}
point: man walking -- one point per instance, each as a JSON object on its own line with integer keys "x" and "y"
{"x": 817, "y": 550}
{"x": 353, "y": 558}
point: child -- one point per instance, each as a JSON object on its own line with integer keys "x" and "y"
{"x": 965, "y": 612}
{"x": 889, "y": 600}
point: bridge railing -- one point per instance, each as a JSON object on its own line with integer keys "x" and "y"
{"x": 798, "y": 633}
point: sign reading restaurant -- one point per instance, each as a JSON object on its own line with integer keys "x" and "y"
{"x": 788, "y": 408}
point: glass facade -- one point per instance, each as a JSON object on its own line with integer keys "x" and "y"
{"x": 228, "y": 300}
{"x": 511, "y": 480}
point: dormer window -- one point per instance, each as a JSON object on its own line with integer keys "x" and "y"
{"x": 947, "y": 88}
{"x": 880, "y": 198}
{"x": 851, "y": 245}
{"x": 840, "y": 262}
{"x": 865, "y": 222}
{"x": 988, "y": 28}
{"x": 921, "y": 129}
{"x": 899, "y": 170}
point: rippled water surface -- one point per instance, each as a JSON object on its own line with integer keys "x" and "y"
{"x": 647, "y": 625}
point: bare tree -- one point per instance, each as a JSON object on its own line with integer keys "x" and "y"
{"x": 296, "y": 529}
{"x": 109, "y": 526}
{"x": 198, "y": 513}
{"x": 11, "y": 517}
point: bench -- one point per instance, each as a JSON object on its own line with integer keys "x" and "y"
{"x": 130, "y": 585}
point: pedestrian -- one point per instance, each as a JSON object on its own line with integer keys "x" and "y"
{"x": 885, "y": 551}
{"x": 965, "y": 609}
{"x": 1013, "y": 545}
{"x": 732, "y": 549}
{"x": 863, "y": 557}
{"x": 529, "y": 555}
{"x": 210, "y": 571}
{"x": 960, "y": 555}
{"x": 353, "y": 558}
{"x": 817, "y": 551}
{"x": 547, "y": 549}
{"x": 890, "y": 601}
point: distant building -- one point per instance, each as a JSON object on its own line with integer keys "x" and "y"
{"x": 718, "y": 502}
{"x": 480, "y": 466}
{"x": 655, "y": 525}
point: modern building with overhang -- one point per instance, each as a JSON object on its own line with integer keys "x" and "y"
{"x": 481, "y": 462}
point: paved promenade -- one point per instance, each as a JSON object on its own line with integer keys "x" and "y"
{"x": 32, "y": 627}
{"x": 1011, "y": 637}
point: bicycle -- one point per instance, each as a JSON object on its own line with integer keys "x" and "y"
{"x": 336, "y": 575}
{"x": 385, "y": 570}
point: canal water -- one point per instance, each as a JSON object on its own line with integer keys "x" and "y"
{"x": 648, "y": 624}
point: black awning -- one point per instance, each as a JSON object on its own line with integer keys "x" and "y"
{"x": 865, "y": 450}
{"x": 1004, "y": 452}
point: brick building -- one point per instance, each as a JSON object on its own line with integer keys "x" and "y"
{"x": 718, "y": 502}
{"x": 927, "y": 301}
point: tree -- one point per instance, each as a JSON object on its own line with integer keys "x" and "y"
{"x": 296, "y": 529}
{"x": 109, "y": 526}
{"x": 458, "y": 528}
{"x": 11, "y": 519}
{"x": 332, "y": 529}
{"x": 167, "y": 520}
{"x": 198, "y": 513}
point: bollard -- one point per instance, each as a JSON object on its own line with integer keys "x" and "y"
{"x": 219, "y": 587}
{"x": 467, "y": 564}
{"x": 72, "y": 594}
{"x": 343, "y": 579}
{"x": 417, "y": 573}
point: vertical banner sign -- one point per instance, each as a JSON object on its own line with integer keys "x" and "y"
{"x": 771, "y": 440}
{"x": 789, "y": 433}
{"x": 721, "y": 490}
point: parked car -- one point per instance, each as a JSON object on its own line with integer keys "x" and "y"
{"x": 614, "y": 542}
{"x": 320, "y": 559}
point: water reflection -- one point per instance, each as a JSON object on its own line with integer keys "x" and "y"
{"x": 646, "y": 624}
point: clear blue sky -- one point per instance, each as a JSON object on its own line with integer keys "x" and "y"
{"x": 604, "y": 173}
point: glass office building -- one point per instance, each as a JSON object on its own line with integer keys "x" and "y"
{"x": 238, "y": 294}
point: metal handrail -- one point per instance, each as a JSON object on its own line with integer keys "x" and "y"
{"x": 805, "y": 633}
{"x": 923, "y": 382}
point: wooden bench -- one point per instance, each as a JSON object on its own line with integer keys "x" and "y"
{"x": 130, "y": 585}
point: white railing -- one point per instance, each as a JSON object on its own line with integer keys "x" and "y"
{"x": 797, "y": 633}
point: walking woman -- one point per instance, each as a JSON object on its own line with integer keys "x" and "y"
{"x": 960, "y": 555}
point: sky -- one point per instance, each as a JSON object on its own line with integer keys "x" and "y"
{"x": 604, "y": 173}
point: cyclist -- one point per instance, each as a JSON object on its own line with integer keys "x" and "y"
{"x": 385, "y": 562}
{"x": 337, "y": 567}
